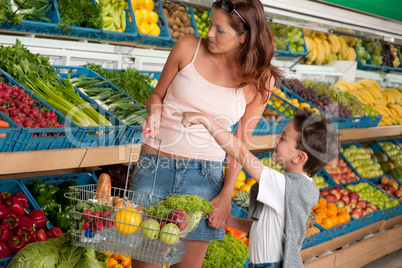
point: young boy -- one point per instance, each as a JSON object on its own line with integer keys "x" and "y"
{"x": 280, "y": 203}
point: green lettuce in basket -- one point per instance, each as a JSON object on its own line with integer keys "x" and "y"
{"x": 195, "y": 207}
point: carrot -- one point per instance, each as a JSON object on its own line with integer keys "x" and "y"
{"x": 4, "y": 124}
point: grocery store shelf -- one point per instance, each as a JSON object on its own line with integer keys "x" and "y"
{"x": 357, "y": 248}
{"x": 45, "y": 160}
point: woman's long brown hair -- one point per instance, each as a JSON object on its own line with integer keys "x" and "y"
{"x": 258, "y": 49}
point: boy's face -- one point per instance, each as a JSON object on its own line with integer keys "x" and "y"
{"x": 285, "y": 146}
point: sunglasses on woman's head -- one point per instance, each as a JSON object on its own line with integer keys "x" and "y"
{"x": 228, "y": 6}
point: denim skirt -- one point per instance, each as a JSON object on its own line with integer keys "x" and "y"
{"x": 177, "y": 177}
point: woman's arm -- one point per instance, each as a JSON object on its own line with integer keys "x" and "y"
{"x": 239, "y": 224}
{"x": 179, "y": 56}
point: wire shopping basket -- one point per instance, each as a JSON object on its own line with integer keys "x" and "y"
{"x": 131, "y": 226}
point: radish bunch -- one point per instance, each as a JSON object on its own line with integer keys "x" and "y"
{"x": 24, "y": 110}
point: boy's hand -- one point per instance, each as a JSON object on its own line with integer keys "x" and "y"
{"x": 189, "y": 119}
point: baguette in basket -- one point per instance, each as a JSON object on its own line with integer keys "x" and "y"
{"x": 104, "y": 189}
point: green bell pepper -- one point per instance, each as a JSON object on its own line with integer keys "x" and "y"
{"x": 64, "y": 188}
{"x": 39, "y": 188}
{"x": 52, "y": 191}
{"x": 62, "y": 219}
{"x": 47, "y": 205}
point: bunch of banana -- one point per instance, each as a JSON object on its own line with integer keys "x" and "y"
{"x": 392, "y": 96}
{"x": 323, "y": 48}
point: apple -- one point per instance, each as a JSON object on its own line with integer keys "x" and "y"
{"x": 150, "y": 228}
{"x": 361, "y": 204}
{"x": 393, "y": 183}
{"x": 356, "y": 213}
{"x": 353, "y": 197}
{"x": 178, "y": 217}
{"x": 384, "y": 180}
{"x": 344, "y": 192}
{"x": 369, "y": 210}
{"x": 398, "y": 193}
{"x": 340, "y": 203}
{"x": 162, "y": 224}
{"x": 330, "y": 198}
{"x": 335, "y": 192}
{"x": 346, "y": 199}
{"x": 353, "y": 205}
{"x": 364, "y": 212}
{"x": 348, "y": 208}
{"x": 169, "y": 233}
{"x": 323, "y": 192}
{"x": 338, "y": 187}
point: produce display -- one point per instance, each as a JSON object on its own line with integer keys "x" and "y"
{"x": 178, "y": 19}
{"x": 130, "y": 80}
{"x": 386, "y": 102}
{"x": 286, "y": 107}
{"x": 327, "y": 213}
{"x": 295, "y": 39}
{"x": 362, "y": 162}
{"x": 393, "y": 151}
{"x": 32, "y": 10}
{"x": 84, "y": 13}
{"x": 375, "y": 196}
{"x": 323, "y": 47}
{"x": 145, "y": 17}
{"x": 201, "y": 17}
{"x": 340, "y": 172}
{"x": 319, "y": 181}
{"x": 391, "y": 186}
{"x": 113, "y": 15}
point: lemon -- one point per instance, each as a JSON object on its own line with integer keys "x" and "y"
{"x": 140, "y": 4}
{"x": 242, "y": 176}
{"x": 234, "y": 192}
{"x": 153, "y": 17}
{"x": 245, "y": 188}
{"x": 149, "y": 4}
{"x": 127, "y": 220}
{"x": 145, "y": 14}
{"x": 239, "y": 184}
{"x": 144, "y": 28}
{"x": 250, "y": 181}
{"x": 139, "y": 18}
{"x": 134, "y": 4}
{"x": 154, "y": 29}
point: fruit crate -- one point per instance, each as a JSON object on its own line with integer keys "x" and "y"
{"x": 11, "y": 133}
{"x": 56, "y": 180}
{"x": 393, "y": 211}
{"x": 368, "y": 66}
{"x": 367, "y": 121}
{"x": 375, "y": 145}
{"x": 164, "y": 38}
{"x": 340, "y": 123}
{"x": 129, "y": 133}
{"x": 31, "y": 139}
{"x": 317, "y": 238}
{"x": 379, "y": 214}
{"x": 14, "y": 186}
{"x": 291, "y": 54}
{"x": 358, "y": 145}
{"x": 190, "y": 12}
{"x": 133, "y": 233}
{"x": 38, "y": 26}
{"x": 238, "y": 211}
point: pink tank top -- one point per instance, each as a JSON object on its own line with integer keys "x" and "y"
{"x": 189, "y": 91}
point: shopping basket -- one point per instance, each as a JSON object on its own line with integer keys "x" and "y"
{"x": 147, "y": 233}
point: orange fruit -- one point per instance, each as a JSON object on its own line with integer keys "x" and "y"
{"x": 153, "y": 17}
{"x": 322, "y": 202}
{"x": 341, "y": 210}
{"x": 341, "y": 218}
{"x": 347, "y": 216}
{"x": 331, "y": 205}
{"x": 332, "y": 211}
{"x": 149, "y": 4}
{"x": 334, "y": 219}
{"x": 318, "y": 219}
{"x": 245, "y": 188}
{"x": 327, "y": 223}
{"x": 322, "y": 210}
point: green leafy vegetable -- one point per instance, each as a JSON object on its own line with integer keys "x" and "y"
{"x": 6, "y": 12}
{"x": 187, "y": 203}
{"x": 58, "y": 252}
{"x": 84, "y": 13}
{"x": 229, "y": 252}
{"x": 129, "y": 80}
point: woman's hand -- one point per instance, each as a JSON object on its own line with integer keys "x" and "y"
{"x": 150, "y": 127}
{"x": 219, "y": 217}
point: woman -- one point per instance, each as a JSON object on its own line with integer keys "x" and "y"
{"x": 228, "y": 76}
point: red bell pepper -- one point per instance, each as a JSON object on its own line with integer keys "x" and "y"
{"x": 27, "y": 221}
{"x": 16, "y": 206}
{"x": 4, "y": 211}
{"x": 54, "y": 232}
{"x": 15, "y": 243}
{"x": 4, "y": 233}
{"x": 40, "y": 235}
{"x": 20, "y": 197}
{"x": 5, "y": 197}
{"x": 11, "y": 221}
{"x": 26, "y": 232}
{"x": 39, "y": 217}
{"x": 4, "y": 250}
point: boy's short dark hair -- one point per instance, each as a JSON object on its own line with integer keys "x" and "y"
{"x": 318, "y": 138}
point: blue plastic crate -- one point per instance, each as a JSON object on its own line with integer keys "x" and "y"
{"x": 14, "y": 186}
{"x": 367, "y": 121}
{"x": 126, "y": 135}
{"x": 317, "y": 238}
{"x": 164, "y": 38}
{"x": 39, "y": 26}
{"x": 291, "y": 54}
{"x": 42, "y": 138}
{"x": 11, "y": 133}
{"x": 375, "y": 145}
{"x": 238, "y": 211}
{"x": 358, "y": 145}
{"x": 368, "y": 66}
